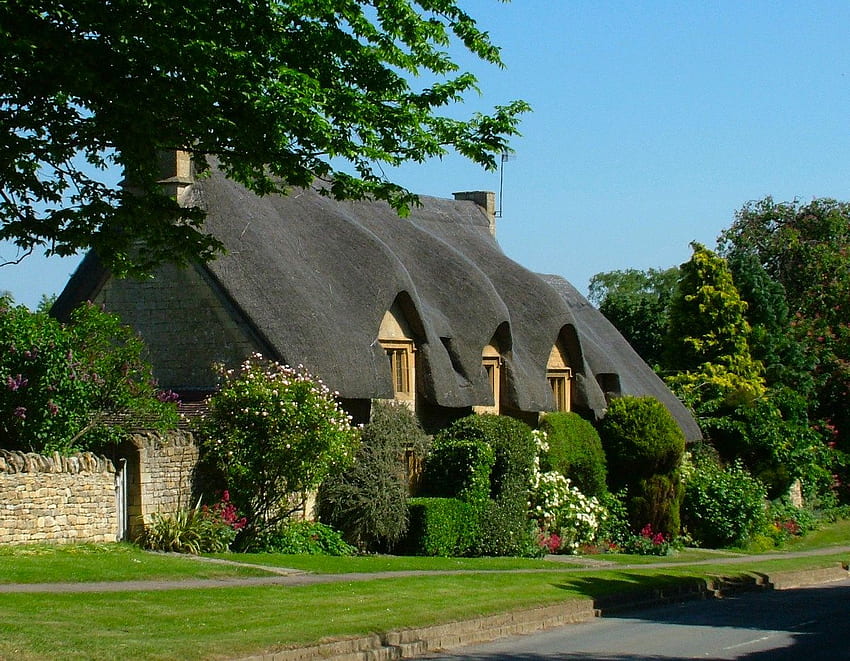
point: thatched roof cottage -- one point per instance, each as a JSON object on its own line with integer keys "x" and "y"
{"x": 425, "y": 309}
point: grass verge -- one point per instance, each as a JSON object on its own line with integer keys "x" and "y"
{"x": 104, "y": 562}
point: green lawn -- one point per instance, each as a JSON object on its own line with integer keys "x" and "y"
{"x": 230, "y": 622}
{"x": 104, "y": 562}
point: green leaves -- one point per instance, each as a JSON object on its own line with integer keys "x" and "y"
{"x": 280, "y": 93}
{"x": 73, "y": 387}
{"x": 275, "y": 433}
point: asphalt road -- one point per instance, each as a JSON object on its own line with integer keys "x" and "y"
{"x": 806, "y": 623}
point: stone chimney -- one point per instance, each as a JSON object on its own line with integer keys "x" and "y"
{"x": 484, "y": 199}
{"x": 175, "y": 168}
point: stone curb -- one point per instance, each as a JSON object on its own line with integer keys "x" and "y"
{"x": 410, "y": 643}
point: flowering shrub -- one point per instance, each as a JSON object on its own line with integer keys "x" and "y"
{"x": 69, "y": 387}
{"x": 274, "y": 432}
{"x": 561, "y": 510}
{"x": 648, "y": 543}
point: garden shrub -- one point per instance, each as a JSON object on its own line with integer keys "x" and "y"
{"x": 441, "y": 527}
{"x": 368, "y": 500}
{"x": 76, "y": 386}
{"x": 514, "y": 448}
{"x": 644, "y": 448}
{"x": 657, "y": 500}
{"x": 562, "y": 510}
{"x": 274, "y": 433}
{"x": 302, "y": 538}
{"x": 199, "y": 530}
{"x": 640, "y": 439}
{"x": 459, "y": 469}
{"x": 723, "y": 505}
{"x": 503, "y": 517}
{"x": 575, "y": 451}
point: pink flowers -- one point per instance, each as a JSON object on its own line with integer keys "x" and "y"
{"x": 655, "y": 538}
{"x": 225, "y": 512}
{"x": 14, "y": 383}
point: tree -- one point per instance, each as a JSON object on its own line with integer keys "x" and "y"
{"x": 278, "y": 92}
{"x": 368, "y": 500}
{"x": 637, "y": 302}
{"x": 707, "y": 346}
{"x": 274, "y": 433}
{"x": 805, "y": 248}
{"x": 76, "y": 386}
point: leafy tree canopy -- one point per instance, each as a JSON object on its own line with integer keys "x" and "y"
{"x": 708, "y": 341}
{"x": 637, "y": 303}
{"x": 279, "y": 92}
{"x": 805, "y": 248}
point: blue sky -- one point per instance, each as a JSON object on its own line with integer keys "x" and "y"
{"x": 653, "y": 122}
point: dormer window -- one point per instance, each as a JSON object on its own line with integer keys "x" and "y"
{"x": 559, "y": 375}
{"x": 401, "y": 359}
{"x": 491, "y": 360}
{"x": 396, "y": 339}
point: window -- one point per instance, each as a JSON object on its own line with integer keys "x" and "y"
{"x": 559, "y": 375}
{"x": 492, "y": 362}
{"x": 400, "y": 356}
{"x": 396, "y": 339}
{"x": 559, "y": 382}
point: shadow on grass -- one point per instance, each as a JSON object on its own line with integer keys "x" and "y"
{"x": 766, "y": 625}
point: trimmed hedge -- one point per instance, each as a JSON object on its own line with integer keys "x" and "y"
{"x": 641, "y": 439}
{"x": 514, "y": 447}
{"x": 644, "y": 447}
{"x": 459, "y": 469}
{"x": 500, "y": 508}
{"x": 441, "y": 526}
{"x": 575, "y": 451}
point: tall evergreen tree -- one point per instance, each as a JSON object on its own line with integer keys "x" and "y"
{"x": 707, "y": 351}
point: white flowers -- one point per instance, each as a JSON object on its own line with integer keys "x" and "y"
{"x": 560, "y": 507}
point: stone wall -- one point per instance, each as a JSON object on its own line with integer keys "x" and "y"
{"x": 160, "y": 470}
{"x": 185, "y": 324}
{"x": 57, "y": 499}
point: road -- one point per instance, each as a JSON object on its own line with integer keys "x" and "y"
{"x": 807, "y": 623}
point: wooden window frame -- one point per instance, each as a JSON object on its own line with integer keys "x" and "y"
{"x": 560, "y": 382}
{"x": 400, "y": 355}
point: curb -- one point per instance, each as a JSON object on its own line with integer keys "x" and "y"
{"x": 410, "y": 643}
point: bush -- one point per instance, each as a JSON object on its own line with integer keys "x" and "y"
{"x": 368, "y": 501}
{"x": 302, "y": 538}
{"x": 647, "y": 542}
{"x": 561, "y": 509}
{"x": 723, "y": 506}
{"x": 199, "y": 530}
{"x": 575, "y": 451}
{"x": 644, "y": 448}
{"x": 275, "y": 433}
{"x": 513, "y": 446}
{"x": 459, "y": 469}
{"x": 76, "y": 386}
{"x": 640, "y": 439}
{"x": 503, "y": 517}
{"x": 441, "y": 527}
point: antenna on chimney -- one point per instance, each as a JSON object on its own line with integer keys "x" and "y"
{"x": 506, "y": 156}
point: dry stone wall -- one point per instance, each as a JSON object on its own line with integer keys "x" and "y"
{"x": 160, "y": 472}
{"x": 57, "y": 499}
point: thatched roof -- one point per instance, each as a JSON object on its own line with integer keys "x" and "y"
{"x": 607, "y": 353}
{"x": 313, "y": 278}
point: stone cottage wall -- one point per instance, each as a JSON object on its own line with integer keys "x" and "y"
{"x": 160, "y": 469}
{"x": 57, "y": 499}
